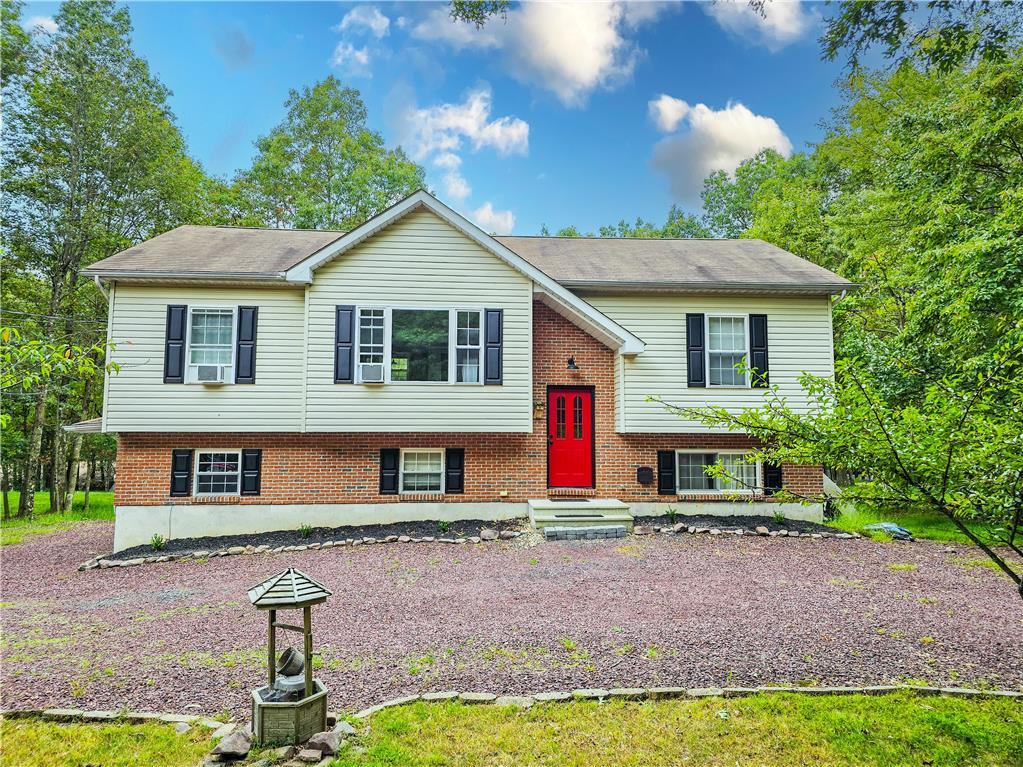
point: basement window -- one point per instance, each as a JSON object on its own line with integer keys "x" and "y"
{"x": 692, "y": 474}
{"x": 216, "y": 473}
{"x": 422, "y": 471}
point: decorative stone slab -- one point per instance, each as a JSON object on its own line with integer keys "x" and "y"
{"x": 436, "y": 696}
{"x": 399, "y": 701}
{"x": 224, "y": 730}
{"x": 477, "y": 697}
{"x": 175, "y": 718}
{"x": 520, "y": 701}
{"x": 627, "y": 693}
{"x": 879, "y": 689}
{"x": 739, "y": 692}
{"x": 831, "y": 690}
{"x": 63, "y": 714}
{"x": 657, "y": 693}
{"x": 106, "y": 716}
{"x": 704, "y": 692}
{"x": 589, "y": 694}
{"x": 552, "y": 697}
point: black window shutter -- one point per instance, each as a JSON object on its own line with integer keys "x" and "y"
{"x": 666, "y": 472}
{"x": 174, "y": 344}
{"x": 181, "y": 473}
{"x": 252, "y": 467}
{"x": 493, "y": 350}
{"x": 695, "y": 350}
{"x": 758, "y": 350}
{"x": 344, "y": 345}
{"x": 454, "y": 470}
{"x": 772, "y": 478}
{"x": 389, "y": 457}
{"x": 245, "y": 358}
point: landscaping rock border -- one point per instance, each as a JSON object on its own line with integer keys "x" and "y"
{"x": 662, "y": 693}
{"x": 486, "y": 535}
{"x": 135, "y": 717}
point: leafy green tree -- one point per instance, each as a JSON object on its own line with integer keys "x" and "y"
{"x": 957, "y": 451}
{"x": 678, "y": 224}
{"x": 93, "y": 163}
{"x": 947, "y": 34}
{"x": 478, "y": 12}
{"x": 15, "y": 44}
{"x": 728, "y": 198}
{"x": 322, "y": 168}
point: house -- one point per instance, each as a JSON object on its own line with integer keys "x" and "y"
{"x": 418, "y": 368}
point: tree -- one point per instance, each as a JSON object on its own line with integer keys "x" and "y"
{"x": 950, "y": 33}
{"x": 728, "y": 198}
{"x": 93, "y": 164}
{"x": 322, "y": 167}
{"x": 678, "y": 224}
{"x": 957, "y": 452}
{"x": 478, "y": 12}
{"x": 15, "y": 44}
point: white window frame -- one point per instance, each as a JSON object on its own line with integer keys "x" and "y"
{"x": 401, "y": 470}
{"x": 195, "y": 469}
{"x": 190, "y": 369}
{"x": 717, "y": 489}
{"x": 707, "y": 350}
{"x": 452, "y": 343}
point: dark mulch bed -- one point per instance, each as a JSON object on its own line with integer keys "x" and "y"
{"x": 463, "y": 529}
{"x": 734, "y": 523}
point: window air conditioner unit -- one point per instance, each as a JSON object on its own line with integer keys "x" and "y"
{"x": 210, "y": 374}
{"x": 371, "y": 372}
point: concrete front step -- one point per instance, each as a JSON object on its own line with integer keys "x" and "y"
{"x": 579, "y": 512}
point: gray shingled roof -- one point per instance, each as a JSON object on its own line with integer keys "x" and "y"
{"x": 289, "y": 588}
{"x": 215, "y": 250}
{"x": 578, "y": 262}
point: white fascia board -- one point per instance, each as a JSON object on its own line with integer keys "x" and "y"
{"x": 610, "y": 331}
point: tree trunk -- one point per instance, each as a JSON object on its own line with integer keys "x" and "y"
{"x": 5, "y": 479}
{"x": 76, "y": 450}
{"x": 27, "y": 501}
{"x": 88, "y": 485}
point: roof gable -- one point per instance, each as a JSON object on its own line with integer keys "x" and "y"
{"x": 563, "y": 300}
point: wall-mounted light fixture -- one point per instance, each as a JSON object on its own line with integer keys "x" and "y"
{"x": 571, "y": 364}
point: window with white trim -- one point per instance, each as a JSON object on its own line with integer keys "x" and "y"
{"x": 211, "y": 344}
{"x": 467, "y": 347}
{"x": 422, "y": 471}
{"x": 420, "y": 345}
{"x": 726, "y": 348}
{"x": 691, "y": 473}
{"x": 217, "y": 472}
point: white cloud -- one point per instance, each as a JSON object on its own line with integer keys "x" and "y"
{"x": 495, "y": 221}
{"x": 570, "y": 49}
{"x": 783, "y": 22}
{"x": 45, "y": 24}
{"x": 438, "y": 26}
{"x": 368, "y": 17}
{"x": 442, "y": 128}
{"x": 355, "y": 60}
{"x": 447, "y": 160}
{"x": 455, "y": 186}
{"x": 667, "y": 112}
{"x": 715, "y": 140}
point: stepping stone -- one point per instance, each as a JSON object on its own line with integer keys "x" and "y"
{"x": 627, "y": 693}
{"x": 521, "y": 701}
{"x": 434, "y": 696}
{"x": 477, "y": 697}
{"x": 552, "y": 697}
{"x": 589, "y": 694}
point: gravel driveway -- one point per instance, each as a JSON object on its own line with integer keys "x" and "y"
{"x": 506, "y": 617}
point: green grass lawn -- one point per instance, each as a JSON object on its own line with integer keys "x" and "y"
{"x": 928, "y": 526}
{"x": 764, "y": 730}
{"x": 101, "y": 506}
{"x": 38, "y": 743}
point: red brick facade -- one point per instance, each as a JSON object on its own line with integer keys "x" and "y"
{"x": 344, "y": 468}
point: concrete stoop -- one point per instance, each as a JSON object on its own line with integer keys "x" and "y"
{"x": 579, "y": 513}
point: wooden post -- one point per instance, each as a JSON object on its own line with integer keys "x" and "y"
{"x": 271, "y": 643}
{"x": 307, "y": 622}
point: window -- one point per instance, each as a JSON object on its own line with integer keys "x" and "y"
{"x": 371, "y": 336}
{"x": 692, "y": 475}
{"x": 420, "y": 345}
{"x": 559, "y": 420}
{"x": 422, "y": 471}
{"x": 726, "y": 348}
{"x": 217, "y": 473}
{"x": 210, "y": 343}
{"x": 577, "y": 417}
{"x": 467, "y": 347}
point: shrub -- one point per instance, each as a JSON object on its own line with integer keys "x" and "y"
{"x": 157, "y": 542}
{"x": 305, "y": 531}
{"x": 443, "y": 526}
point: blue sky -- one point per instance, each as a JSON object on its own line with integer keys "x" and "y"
{"x": 562, "y": 114}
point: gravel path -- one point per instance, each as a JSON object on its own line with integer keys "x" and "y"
{"x": 506, "y": 617}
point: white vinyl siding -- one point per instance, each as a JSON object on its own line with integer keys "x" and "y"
{"x": 138, "y": 399}
{"x": 799, "y": 339}
{"x": 420, "y": 262}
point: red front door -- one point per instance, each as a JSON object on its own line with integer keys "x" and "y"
{"x": 570, "y": 438}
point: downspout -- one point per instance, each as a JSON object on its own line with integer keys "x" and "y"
{"x": 99, "y": 285}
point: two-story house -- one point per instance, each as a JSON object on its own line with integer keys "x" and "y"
{"x": 418, "y": 368}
